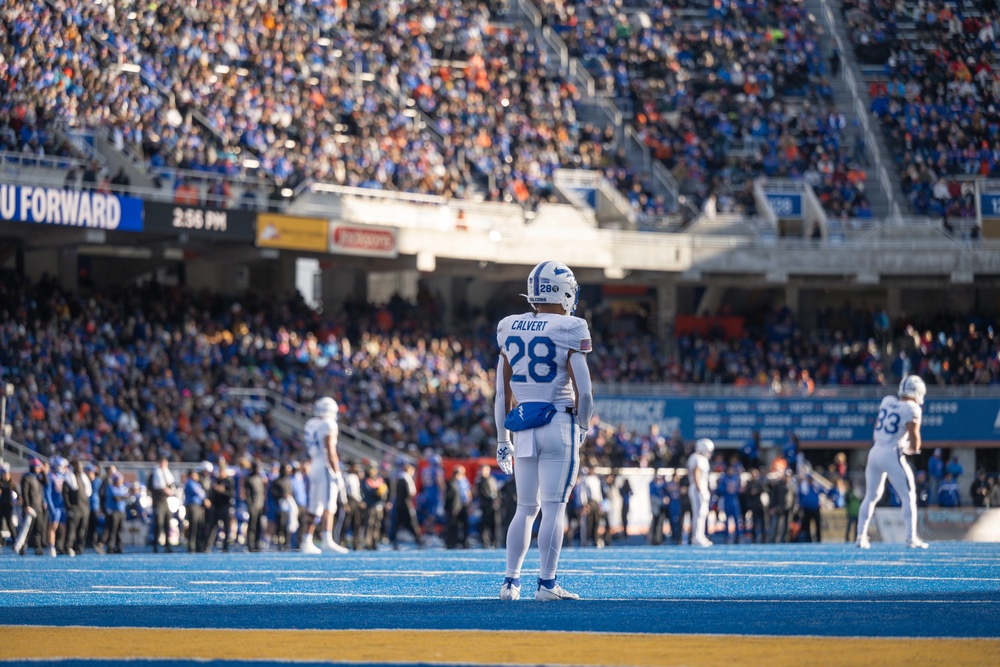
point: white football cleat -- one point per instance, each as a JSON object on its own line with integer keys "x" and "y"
{"x": 703, "y": 542}
{"x": 557, "y": 592}
{"x": 329, "y": 546}
{"x": 509, "y": 591}
{"x": 309, "y": 547}
{"x": 916, "y": 543}
{"x": 863, "y": 543}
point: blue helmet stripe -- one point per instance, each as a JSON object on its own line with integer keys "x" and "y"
{"x": 538, "y": 273}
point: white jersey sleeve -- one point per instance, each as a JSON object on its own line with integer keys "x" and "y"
{"x": 537, "y": 347}
{"x": 890, "y": 423}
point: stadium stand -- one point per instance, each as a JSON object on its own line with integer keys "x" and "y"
{"x": 434, "y": 98}
{"x": 136, "y": 373}
{"x": 937, "y": 96}
{"x": 722, "y": 93}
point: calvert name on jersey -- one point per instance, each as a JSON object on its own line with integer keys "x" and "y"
{"x": 890, "y": 424}
{"x": 537, "y": 347}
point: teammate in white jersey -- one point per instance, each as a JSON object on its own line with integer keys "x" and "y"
{"x": 325, "y": 480}
{"x": 897, "y": 433}
{"x": 698, "y": 465}
{"x": 544, "y": 397}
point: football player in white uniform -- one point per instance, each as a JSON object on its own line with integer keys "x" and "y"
{"x": 544, "y": 397}
{"x": 897, "y": 433}
{"x": 698, "y": 465}
{"x": 325, "y": 480}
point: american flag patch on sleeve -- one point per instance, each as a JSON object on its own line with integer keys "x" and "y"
{"x": 585, "y": 345}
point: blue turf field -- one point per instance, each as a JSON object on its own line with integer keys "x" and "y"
{"x": 822, "y": 590}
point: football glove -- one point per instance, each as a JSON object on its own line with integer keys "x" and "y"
{"x": 505, "y": 459}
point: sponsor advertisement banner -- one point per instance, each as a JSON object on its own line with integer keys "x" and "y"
{"x": 200, "y": 221}
{"x": 934, "y": 523}
{"x": 288, "y": 232}
{"x": 70, "y": 208}
{"x": 731, "y": 421}
{"x": 348, "y": 239}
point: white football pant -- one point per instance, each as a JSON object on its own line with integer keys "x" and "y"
{"x": 699, "y": 516}
{"x": 888, "y": 462}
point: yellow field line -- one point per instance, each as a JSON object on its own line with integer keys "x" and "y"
{"x": 481, "y": 647}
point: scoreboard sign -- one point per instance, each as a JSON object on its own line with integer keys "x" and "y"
{"x": 227, "y": 224}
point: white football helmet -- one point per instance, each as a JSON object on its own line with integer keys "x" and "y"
{"x": 913, "y": 387}
{"x": 326, "y": 408}
{"x": 553, "y": 282}
{"x": 704, "y": 446}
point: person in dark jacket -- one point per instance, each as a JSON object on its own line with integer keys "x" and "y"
{"x": 784, "y": 496}
{"x": 457, "y": 499}
{"x": 255, "y": 497}
{"x": 6, "y": 504}
{"x": 223, "y": 498}
{"x": 405, "y": 506}
{"x": 33, "y": 505}
{"x": 489, "y": 505}
{"x": 77, "y": 490}
{"x": 284, "y": 500}
{"x": 756, "y": 493}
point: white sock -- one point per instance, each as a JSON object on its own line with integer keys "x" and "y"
{"x": 519, "y": 538}
{"x": 550, "y": 538}
{"x": 327, "y": 536}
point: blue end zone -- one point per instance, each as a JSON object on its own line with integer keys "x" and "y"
{"x": 950, "y": 590}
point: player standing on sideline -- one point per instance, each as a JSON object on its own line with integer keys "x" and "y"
{"x": 897, "y": 433}
{"x": 698, "y": 466}
{"x": 325, "y": 480}
{"x": 544, "y": 396}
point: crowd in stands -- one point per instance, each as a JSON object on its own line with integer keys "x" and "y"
{"x": 449, "y": 99}
{"x": 424, "y": 97}
{"x": 938, "y": 98}
{"x": 743, "y": 93}
{"x": 135, "y": 373}
{"x": 849, "y": 346}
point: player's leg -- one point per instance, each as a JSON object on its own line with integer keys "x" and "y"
{"x": 329, "y": 515}
{"x": 875, "y": 475}
{"x": 901, "y": 478}
{"x": 319, "y": 491}
{"x": 519, "y": 531}
{"x": 699, "y": 517}
{"x": 558, "y": 465}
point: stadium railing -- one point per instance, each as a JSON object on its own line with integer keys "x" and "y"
{"x": 290, "y": 416}
{"x": 14, "y": 162}
{"x": 53, "y": 175}
{"x": 859, "y": 94}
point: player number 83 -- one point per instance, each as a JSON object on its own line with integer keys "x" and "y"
{"x": 887, "y": 421}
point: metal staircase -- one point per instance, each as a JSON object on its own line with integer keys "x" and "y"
{"x": 850, "y": 92}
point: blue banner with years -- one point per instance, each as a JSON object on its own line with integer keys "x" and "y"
{"x": 731, "y": 421}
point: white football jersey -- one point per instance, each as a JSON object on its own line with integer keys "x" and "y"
{"x": 699, "y": 462}
{"x": 537, "y": 347}
{"x": 316, "y": 432}
{"x": 890, "y": 423}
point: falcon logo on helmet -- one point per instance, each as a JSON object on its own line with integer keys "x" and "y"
{"x": 913, "y": 387}
{"x": 553, "y": 282}
{"x": 326, "y": 408}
